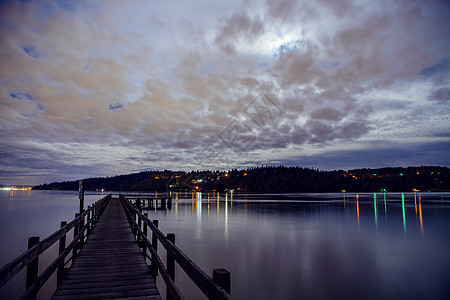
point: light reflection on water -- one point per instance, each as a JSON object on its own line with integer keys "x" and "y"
{"x": 336, "y": 246}
{"x": 280, "y": 246}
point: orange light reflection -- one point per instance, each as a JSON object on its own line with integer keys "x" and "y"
{"x": 357, "y": 206}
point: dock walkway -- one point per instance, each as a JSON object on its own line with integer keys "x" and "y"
{"x": 110, "y": 264}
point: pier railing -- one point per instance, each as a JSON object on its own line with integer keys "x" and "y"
{"x": 159, "y": 201}
{"x": 81, "y": 225}
{"x": 217, "y": 287}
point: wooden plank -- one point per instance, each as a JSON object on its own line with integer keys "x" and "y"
{"x": 110, "y": 264}
{"x": 81, "y": 283}
{"x": 114, "y": 276}
{"x": 109, "y": 289}
{"x": 107, "y": 271}
{"x": 111, "y": 295}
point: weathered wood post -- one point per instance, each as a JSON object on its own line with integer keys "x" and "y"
{"x": 89, "y": 220}
{"x": 155, "y": 247}
{"x": 80, "y": 230}
{"x": 81, "y": 195}
{"x": 133, "y": 215}
{"x": 170, "y": 264}
{"x": 144, "y": 248}
{"x": 62, "y": 246}
{"x": 94, "y": 208}
{"x": 140, "y": 227}
{"x": 75, "y": 233}
{"x": 32, "y": 267}
{"x": 223, "y": 278}
{"x": 169, "y": 203}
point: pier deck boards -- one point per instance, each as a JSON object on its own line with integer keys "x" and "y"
{"x": 110, "y": 264}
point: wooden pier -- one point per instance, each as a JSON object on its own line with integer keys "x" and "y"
{"x": 110, "y": 264}
{"x": 110, "y": 250}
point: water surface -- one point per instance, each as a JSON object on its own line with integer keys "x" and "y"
{"x": 276, "y": 246}
{"x": 34, "y": 213}
{"x": 317, "y": 246}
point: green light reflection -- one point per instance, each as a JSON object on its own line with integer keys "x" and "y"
{"x": 375, "y": 208}
{"x": 403, "y": 211}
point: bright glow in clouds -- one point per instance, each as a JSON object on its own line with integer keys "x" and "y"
{"x": 111, "y": 87}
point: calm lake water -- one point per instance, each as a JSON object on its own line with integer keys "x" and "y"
{"x": 278, "y": 246}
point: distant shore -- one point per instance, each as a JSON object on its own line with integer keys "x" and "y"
{"x": 269, "y": 179}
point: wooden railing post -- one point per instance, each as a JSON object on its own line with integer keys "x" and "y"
{"x": 62, "y": 246}
{"x": 170, "y": 264}
{"x": 93, "y": 216}
{"x": 140, "y": 226}
{"x": 144, "y": 249}
{"x": 133, "y": 214}
{"x": 155, "y": 246}
{"x": 81, "y": 195}
{"x": 88, "y": 220}
{"x": 223, "y": 278}
{"x": 80, "y": 229}
{"x": 32, "y": 267}
{"x": 96, "y": 214}
{"x": 169, "y": 202}
{"x": 75, "y": 233}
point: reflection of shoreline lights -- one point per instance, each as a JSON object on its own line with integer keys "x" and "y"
{"x": 15, "y": 188}
{"x": 420, "y": 215}
{"x": 198, "y": 203}
{"x": 198, "y": 208}
{"x": 385, "y": 208}
{"x": 226, "y": 217}
{"x": 415, "y": 202}
{"x": 357, "y": 207}
{"x": 217, "y": 203}
{"x": 375, "y": 209}
{"x": 403, "y": 211}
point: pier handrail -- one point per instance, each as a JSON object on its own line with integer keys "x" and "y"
{"x": 25, "y": 259}
{"x": 206, "y": 284}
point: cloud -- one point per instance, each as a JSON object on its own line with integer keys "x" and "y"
{"x": 153, "y": 82}
{"x": 441, "y": 94}
{"x": 378, "y": 154}
{"x": 236, "y": 30}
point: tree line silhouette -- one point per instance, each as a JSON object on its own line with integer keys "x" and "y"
{"x": 272, "y": 179}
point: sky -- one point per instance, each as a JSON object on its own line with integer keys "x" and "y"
{"x": 102, "y": 88}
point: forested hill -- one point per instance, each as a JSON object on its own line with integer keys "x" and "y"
{"x": 272, "y": 180}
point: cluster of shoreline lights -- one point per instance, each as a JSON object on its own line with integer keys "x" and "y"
{"x": 384, "y": 191}
{"x": 16, "y": 188}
